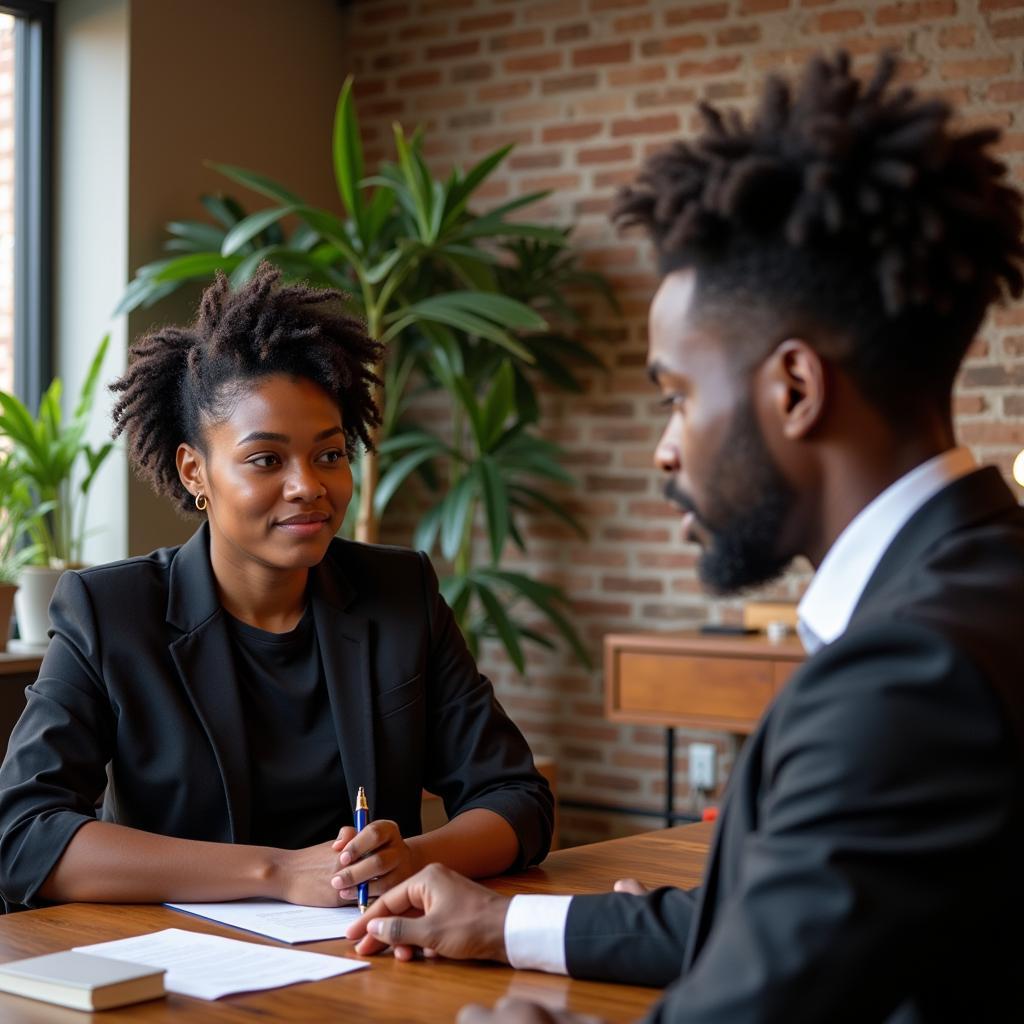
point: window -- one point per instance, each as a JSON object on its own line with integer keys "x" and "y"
{"x": 26, "y": 31}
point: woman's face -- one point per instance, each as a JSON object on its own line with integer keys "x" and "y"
{"x": 274, "y": 474}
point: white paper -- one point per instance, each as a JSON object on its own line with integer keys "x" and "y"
{"x": 285, "y": 922}
{"x": 209, "y": 966}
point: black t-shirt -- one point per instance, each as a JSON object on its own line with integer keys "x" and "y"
{"x": 299, "y": 795}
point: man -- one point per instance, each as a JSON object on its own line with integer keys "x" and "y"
{"x": 825, "y": 269}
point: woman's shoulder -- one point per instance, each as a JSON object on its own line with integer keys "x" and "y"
{"x": 126, "y": 579}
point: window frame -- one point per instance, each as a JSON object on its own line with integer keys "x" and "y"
{"x": 33, "y": 195}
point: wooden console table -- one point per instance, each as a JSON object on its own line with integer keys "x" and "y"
{"x": 693, "y": 681}
{"x": 16, "y": 672}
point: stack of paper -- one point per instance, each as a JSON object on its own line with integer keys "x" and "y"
{"x": 282, "y": 921}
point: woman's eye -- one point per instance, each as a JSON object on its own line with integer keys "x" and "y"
{"x": 263, "y": 461}
{"x": 333, "y": 456}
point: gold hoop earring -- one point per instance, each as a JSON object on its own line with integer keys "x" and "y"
{"x": 201, "y": 502}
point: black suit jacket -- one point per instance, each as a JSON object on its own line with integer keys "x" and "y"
{"x": 138, "y": 684}
{"x": 869, "y": 859}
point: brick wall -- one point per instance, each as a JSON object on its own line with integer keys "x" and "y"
{"x": 587, "y": 88}
{"x": 6, "y": 202}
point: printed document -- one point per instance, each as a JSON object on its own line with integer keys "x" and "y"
{"x": 209, "y": 966}
{"x": 285, "y": 922}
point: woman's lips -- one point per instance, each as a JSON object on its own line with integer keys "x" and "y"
{"x": 304, "y": 525}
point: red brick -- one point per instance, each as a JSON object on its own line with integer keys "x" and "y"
{"x": 1013, "y": 405}
{"x": 605, "y": 780}
{"x": 673, "y": 45}
{"x": 420, "y": 30}
{"x": 604, "y": 155}
{"x": 684, "y": 14}
{"x": 715, "y": 66}
{"x": 666, "y": 559}
{"x": 555, "y": 182}
{"x": 1000, "y": 5}
{"x": 634, "y": 23}
{"x": 538, "y": 111}
{"x": 763, "y": 6}
{"x": 613, "y": 5}
{"x": 553, "y": 10}
{"x": 449, "y": 51}
{"x": 915, "y": 10}
{"x": 471, "y": 72}
{"x": 570, "y": 83}
{"x": 838, "y": 21}
{"x": 486, "y": 22}
{"x": 518, "y": 40}
{"x": 613, "y": 179}
{"x": 1008, "y": 28}
{"x": 571, "y": 131}
{"x": 736, "y": 35}
{"x": 637, "y": 75}
{"x": 672, "y": 97}
{"x": 387, "y": 61}
{"x": 504, "y": 91}
{"x": 419, "y": 79}
{"x": 545, "y": 159}
{"x": 612, "y": 53}
{"x": 572, "y": 33}
{"x": 977, "y": 67}
{"x": 653, "y": 124}
{"x": 533, "y": 62}
{"x": 519, "y": 137}
{"x": 992, "y": 433}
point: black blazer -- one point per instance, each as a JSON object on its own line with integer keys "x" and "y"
{"x": 868, "y": 864}
{"x": 138, "y": 684}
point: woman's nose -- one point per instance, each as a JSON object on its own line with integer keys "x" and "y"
{"x": 303, "y": 484}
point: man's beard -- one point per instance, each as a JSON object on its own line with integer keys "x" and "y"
{"x": 747, "y": 504}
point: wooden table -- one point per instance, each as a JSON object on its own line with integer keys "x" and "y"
{"x": 423, "y": 991}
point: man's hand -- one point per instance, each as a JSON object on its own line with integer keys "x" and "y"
{"x": 519, "y": 1011}
{"x": 632, "y": 886}
{"x": 378, "y": 855}
{"x": 437, "y": 911}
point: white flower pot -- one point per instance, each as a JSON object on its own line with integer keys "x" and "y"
{"x": 32, "y": 603}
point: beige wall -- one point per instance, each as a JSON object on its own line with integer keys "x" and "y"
{"x": 247, "y": 82}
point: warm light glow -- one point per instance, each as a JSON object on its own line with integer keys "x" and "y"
{"x": 1018, "y": 468}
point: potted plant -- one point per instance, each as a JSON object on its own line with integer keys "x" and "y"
{"x": 52, "y": 463}
{"x": 470, "y": 303}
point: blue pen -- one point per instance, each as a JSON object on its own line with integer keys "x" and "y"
{"x": 362, "y": 819}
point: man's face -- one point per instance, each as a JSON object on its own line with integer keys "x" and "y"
{"x": 719, "y": 470}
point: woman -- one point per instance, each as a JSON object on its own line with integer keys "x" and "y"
{"x": 227, "y": 698}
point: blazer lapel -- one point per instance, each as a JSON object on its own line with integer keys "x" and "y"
{"x": 344, "y": 641}
{"x": 205, "y": 662}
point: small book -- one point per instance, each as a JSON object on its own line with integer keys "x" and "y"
{"x": 82, "y": 981}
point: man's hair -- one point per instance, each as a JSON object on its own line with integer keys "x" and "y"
{"x": 849, "y": 212}
{"x": 182, "y": 378}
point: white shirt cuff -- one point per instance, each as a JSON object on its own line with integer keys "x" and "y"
{"x": 535, "y": 933}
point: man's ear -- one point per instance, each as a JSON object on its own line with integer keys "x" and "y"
{"x": 797, "y": 381}
{"x": 191, "y": 469}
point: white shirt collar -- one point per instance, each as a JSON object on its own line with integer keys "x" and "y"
{"x": 825, "y": 610}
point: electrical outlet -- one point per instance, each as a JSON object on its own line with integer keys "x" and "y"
{"x": 703, "y": 775}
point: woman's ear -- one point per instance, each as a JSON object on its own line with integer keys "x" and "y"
{"x": 797, "y": 381}
{"x": 191, "y": 470}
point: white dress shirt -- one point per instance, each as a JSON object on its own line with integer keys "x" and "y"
{"x": 535, "y": 925}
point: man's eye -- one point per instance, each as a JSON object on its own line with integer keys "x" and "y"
{"x": 671, "y": 401}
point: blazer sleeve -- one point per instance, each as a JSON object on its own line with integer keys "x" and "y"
{"x": 887, "y": 802}
{"x": 633, "y": 940}
{"x": 476, "y": 757}
{"x": 55, "y": 768}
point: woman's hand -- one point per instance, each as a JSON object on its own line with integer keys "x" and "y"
{"x": 378, "y": 855}
{"x": 304, "y": 876}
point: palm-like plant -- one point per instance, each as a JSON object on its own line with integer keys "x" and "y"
{"x": 457, "y": 297}
{"x": 19, "y": 518}
{"x": 46, "y": 452}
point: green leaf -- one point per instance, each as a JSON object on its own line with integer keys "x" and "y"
{"x": 466, "y": 398}
{"x": 538, "y": 498}
{"x": 85, "y": 399}
{"x": 202, "y": 237}
{"x": 426, "y": 529}
{"x": 498, "y": 406}
{"x": 397, "y": 473}
{"x": 246, "y": 230}
{"x": 200, "y": 264}
{"x": 502, "y": 310}
{"x": 258, "y": 183}
{"x": 462, "y": 190}
{"x": 456, "y": 509}
{"x": 495, "y": 506}
{"x": 347, "y": 150}
{"x": 244, "y": 271}
{"x": 503, "y": 625}
{"x": 225, "y": 209}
